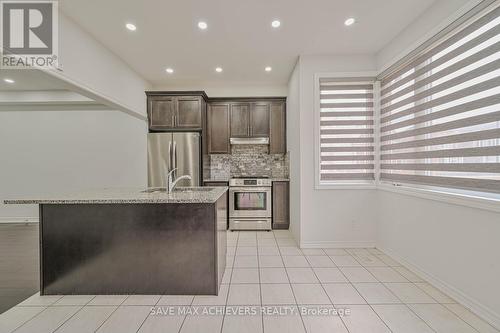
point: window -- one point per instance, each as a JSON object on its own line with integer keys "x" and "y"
{"x": 440, "y": 113}
{"x": 346, "y": 130}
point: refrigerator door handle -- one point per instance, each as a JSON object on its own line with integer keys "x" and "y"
{"x": 174, "y": 154}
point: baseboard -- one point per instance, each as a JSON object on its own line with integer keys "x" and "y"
{"x": 18, "y": 219}
{"x": 336, "y": 244}
{"x": 469, "y": 302}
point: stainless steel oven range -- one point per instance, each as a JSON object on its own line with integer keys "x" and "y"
{"x": 250, "y": 204}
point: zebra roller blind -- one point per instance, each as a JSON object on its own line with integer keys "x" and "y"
{"x": 440, "y": 114}
{"x": 346, "y": 130}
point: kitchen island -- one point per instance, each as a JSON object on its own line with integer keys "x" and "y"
{"x": 131, "y": 241}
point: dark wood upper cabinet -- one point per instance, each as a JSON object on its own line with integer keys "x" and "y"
{"x": 218, "y": 128}
{"x": 189, "y": 112}
{"x": 259, "y": 119}
{"x": 161, "y": 112}
{"x": 277, "y": 137}
{"x": 240, "y": 120}
{"x": 281, "y": 205}
{"x": 176, "y": 110}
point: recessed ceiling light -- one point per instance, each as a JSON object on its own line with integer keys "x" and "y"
{"x": 350, "y": 21}
{"x": 169, "y": 70}
{"x": 268, "y": 69}
{"x": 218, "y": 69}
{"x": 9, "y": 80}
{"x": 275, "y": 23}
{"x": 202, "y": 25}
{"x": 131, "y": 27}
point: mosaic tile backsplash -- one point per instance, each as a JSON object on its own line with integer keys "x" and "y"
{"x": 249, "y": 160}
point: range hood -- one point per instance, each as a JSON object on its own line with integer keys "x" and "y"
{"x": 249, "y": 141}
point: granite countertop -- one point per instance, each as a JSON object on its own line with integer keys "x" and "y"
{"x": 126, "y": 196}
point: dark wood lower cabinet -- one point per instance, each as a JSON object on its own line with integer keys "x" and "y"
{"x": 281, "y": 205}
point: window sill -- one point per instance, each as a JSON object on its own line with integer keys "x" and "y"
{"x": 448, "y": 197}
{"x": 346, "y": 186}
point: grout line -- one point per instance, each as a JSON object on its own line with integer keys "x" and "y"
{"x": 107, "y": 318}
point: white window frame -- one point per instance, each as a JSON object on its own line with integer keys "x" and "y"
{"x": 343, "y": 185}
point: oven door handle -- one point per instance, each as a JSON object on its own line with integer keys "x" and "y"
{"x": 250, "y": 189}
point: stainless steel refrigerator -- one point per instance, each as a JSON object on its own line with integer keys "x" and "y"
{"x": 167, "y": 151}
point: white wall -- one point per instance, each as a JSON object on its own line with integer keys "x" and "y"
{"x": 328, "y": 218}
{"x": 456, "y": 246}
{"x": 293, "y": 145}
{"x": 93, "y": 67}
{"x": 61, "y": 151}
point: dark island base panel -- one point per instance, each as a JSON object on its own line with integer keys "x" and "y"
{"x": 176, "y": 249}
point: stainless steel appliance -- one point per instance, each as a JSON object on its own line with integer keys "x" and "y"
{"x": 250, "y": 204}
{"x": 167, "y": 151}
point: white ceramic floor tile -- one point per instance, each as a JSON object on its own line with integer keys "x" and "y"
{"x": 441, "y": 319}
{"x": 17, "y": 316}
{"x": 470, "y": 318}
{"x": 275, "y": 294}
{"x": 269, "y": 251}
{"x": 336, "y": 252}
{"x": 74, "y": 300}
{"x": 412, "y": 277}
{"x": 386, "y": 274}
{"x": 125, "y": 319}
{"x": 142, "y": 300}
{"x": 273, "y": 275}
{"x": 270, "y": 261}
{"x": 363, "y": 319}
{"x": 310, "y": 294}
{"x": 245, "y": 262}
{"x": 205, "y": 324}
{"x": 313, "y": 252}
{"x": 246, "y": 251}
{"x": 388, "y": 260}
{"x": 213, "y": 300}
{"x": 409, "y": 293}
{"x": 49, "y": 319}
{"x": 226, "y": 277}
{"x": 369, "y": 260}
{"x": 247, "y": 242}
{"x": 345, "y": 261}
{"x": 400, "y": 318}
{"x": 37, "y": 300}
{"x": 282, "y": 234}
{"x": 247, "y": 234}
{"x": 175, "y": 300}
{"x": 108, "y": 300}
{"x": 244, "y": 294}
{"x": 375, "y": 251}
{"x": 286, "y": 242}
{"x": 290, "y": 251}
{"x": 358, "y": 251}
{"x": 358, "y": 274}
{"x": 88, "y": 319}
{"x": 283, "y": 324}
{"x": 329, "y": 275}
{"x": 266, "y": 242}
{"x": 343, "y": 293}
{"x": 376, "y": 293}
{"x": 265, "y": 235}
{"x": 301, "y": 275}
{"x": 295, "y": 261}
{"x": 320, "y": 261}
{"x": 163, "y": 323}
{"x": 245, "y": 275}
{"x": 324, "y": 323}
{"x": 242, "y": 324}
{"x": 435, "y": 293}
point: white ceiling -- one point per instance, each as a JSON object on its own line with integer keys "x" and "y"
{"x": 239, "y": 37}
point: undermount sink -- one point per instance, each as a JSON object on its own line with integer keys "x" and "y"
{"x": 177, "y": 189}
